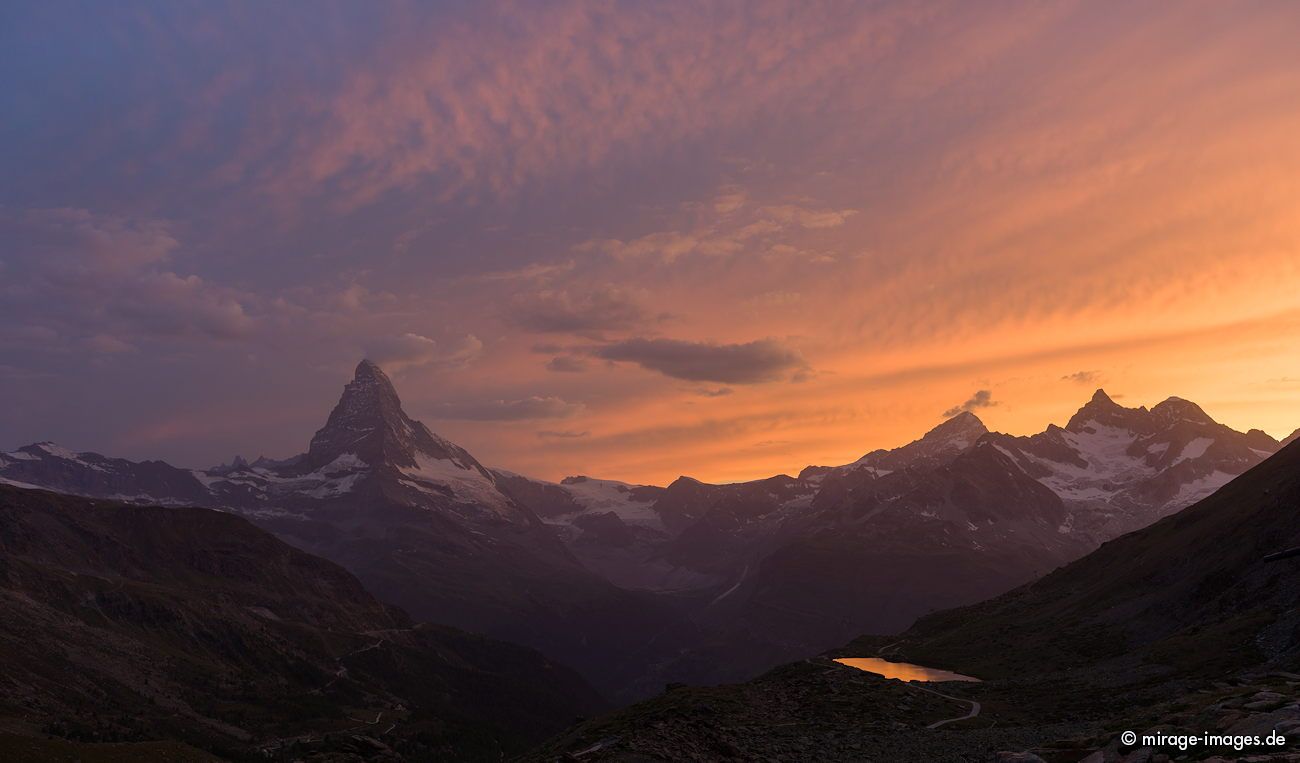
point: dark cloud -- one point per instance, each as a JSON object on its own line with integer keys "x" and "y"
{"x": 763, "y": 360}
{"x": 1083, "y": 377}
{"x": 604, "y": 308}
{"x": 549, "y": 434}
{"x": 566, "y": 364}
{"x": 981, "y": 399}
{"x": 509, "y": 410}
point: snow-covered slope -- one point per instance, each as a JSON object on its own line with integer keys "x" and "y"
{"x": 1118, "y": 469}
{"x": 632, "y": 504}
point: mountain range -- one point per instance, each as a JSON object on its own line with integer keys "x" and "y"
{"x": 1185, "y": 627}
{"x": 636, "y": 586}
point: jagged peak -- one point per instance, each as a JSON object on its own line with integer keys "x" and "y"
{"x": 1101, "y": 398}
{"x": 1102, "y": 409}
{"x": 369, "y": 421}
{"x": 1291, "y": 437}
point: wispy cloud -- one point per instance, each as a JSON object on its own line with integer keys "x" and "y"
{"x": 552, "y": 101}
{"x": 1083, "y": 377}
{"x": 750, "y": 231}
{"x": 981, "y": 399}
{"x": 243, "y": 200}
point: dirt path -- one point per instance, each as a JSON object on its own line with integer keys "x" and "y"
{"x": 974, "y": 707}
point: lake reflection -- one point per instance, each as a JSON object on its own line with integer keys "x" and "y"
{"x": 903, "y": 671}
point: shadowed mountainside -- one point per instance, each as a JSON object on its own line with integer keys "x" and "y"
{"x": 1191, "y": 591}
{"x": 122, "y": 623}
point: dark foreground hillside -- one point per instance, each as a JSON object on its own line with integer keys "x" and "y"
{"x": 1181, "y": 628}
{"x": 121, "y": 625}
{"x": 1192, "y": 593}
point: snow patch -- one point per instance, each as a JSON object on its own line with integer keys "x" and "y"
{"x": 1109, "y": 467}
{"x": 205, "y": 479}
{"x": 1195, "y": 449}
{"x": 467, "y": 485}
{"x": 1193, "y": 491}
{"x": 58, "y": 451}
{"x": 599, "y": 496}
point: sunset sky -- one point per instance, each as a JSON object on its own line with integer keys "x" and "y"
{"x": 637, "y": 240}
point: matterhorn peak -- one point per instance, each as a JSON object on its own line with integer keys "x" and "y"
{"x": 369, "y": 377}
{"x": 368, "y": 422}
{"x": 369, "y": 369}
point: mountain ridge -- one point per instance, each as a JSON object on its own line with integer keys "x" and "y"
{"x": 709, "y": 568}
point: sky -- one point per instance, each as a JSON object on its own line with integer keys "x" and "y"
{"x": 641, "y": 240}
